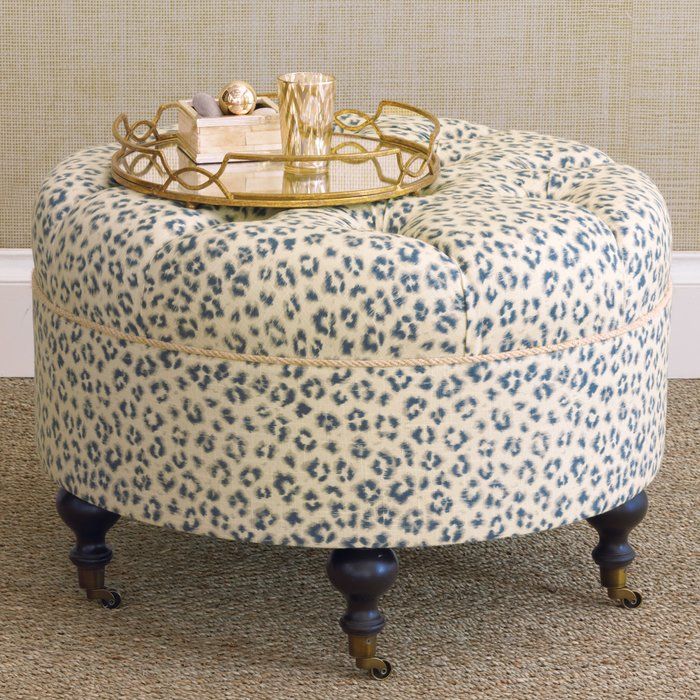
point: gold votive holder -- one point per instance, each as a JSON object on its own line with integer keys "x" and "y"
{"x": 306, "y": 104}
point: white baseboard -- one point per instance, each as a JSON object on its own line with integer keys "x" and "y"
{"x": 17, "y": 351}
{"x": 684, "y": 353}
{"x": 16, "y": 340}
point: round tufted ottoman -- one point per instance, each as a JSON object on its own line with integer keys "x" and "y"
{"x": 484, "y": 359}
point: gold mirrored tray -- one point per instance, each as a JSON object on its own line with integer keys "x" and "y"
{"x": 388, "y": 154}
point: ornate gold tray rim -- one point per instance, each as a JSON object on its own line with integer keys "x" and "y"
{"x": 387, "y": 145}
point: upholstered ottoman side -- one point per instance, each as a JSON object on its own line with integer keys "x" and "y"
{"x": 414, "y": 454}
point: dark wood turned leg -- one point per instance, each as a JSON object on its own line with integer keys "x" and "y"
{"x": 363, "y": 576}
{"x": 91, "y": 553}
{"x": 613, "y": 553}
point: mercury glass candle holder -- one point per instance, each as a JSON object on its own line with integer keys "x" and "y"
{"x": 306, "y": 103}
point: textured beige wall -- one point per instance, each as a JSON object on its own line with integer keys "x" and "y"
{"x": 622, "y": 75}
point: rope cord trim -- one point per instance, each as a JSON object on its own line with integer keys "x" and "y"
{"x": 340, "y": 363}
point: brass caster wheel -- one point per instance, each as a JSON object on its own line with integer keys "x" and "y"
{"x": 378, "y": 668}
{"x": 363, "y": 649}
{"x": 626, "y": 598}
{"x": 632, "y": 604}
{"x": 108, "y": 597}
{"x": 380, "y": 672}
{"x": 113, "y": 601}
{"x": 615, "y": 581}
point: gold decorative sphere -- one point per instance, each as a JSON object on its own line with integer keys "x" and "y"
{"x": 237, "y": 98}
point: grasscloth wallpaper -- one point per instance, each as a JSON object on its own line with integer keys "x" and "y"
{"x": 622, "y": 75}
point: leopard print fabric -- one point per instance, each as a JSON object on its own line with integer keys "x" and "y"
{"x": 524, "y": 241}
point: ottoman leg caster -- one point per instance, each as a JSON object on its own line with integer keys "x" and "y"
{"x": 613, "y": 553}
{"x": 363, "y": 576}
{"x": 90, "y": 554}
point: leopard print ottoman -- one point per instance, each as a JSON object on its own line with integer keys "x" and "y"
{"x": 484, "y": 359}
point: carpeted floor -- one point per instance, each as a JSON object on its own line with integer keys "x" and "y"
{"x": 521, "y": 618}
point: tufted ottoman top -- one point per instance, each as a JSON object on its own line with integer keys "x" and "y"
{"x": 482, "y": 359}
{"x": 525, "y": 241}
